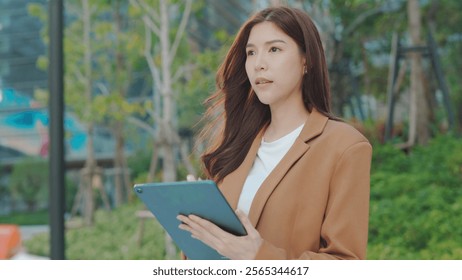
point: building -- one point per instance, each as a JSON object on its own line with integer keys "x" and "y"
{"x": 20, "y": 46}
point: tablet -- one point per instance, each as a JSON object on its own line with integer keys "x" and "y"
{"x": 201, "y": 198}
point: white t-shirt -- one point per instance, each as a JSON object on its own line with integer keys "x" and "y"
{"x": 268, "y": 156}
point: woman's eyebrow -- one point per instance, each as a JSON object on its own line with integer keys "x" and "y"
{"x": 249, "y": 45}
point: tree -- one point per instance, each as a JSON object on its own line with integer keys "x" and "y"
{"x": 160, "y": 52}
{"x": 349, "y": 28}
{"x": 445, "y": 19}
{"x": 418, "y": 119}
{"x": 79, "y": 78}
{"x": 117, "y": 60}
{"x": 90, "y": 170}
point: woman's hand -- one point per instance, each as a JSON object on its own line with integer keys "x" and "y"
{"x": 229, "y": 245}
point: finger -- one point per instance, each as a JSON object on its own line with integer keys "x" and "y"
{"x": 203, "y": 230}
{"x": 182, "y": 218}
{"x": 184, "y": 225}
{"x": 209, "y": 227}
{"x": 194, "y": 224}
{"x": 195, "y": 229}
{"x": 203, "y": 222}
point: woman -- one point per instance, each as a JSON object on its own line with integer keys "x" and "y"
{"x": 298, "y": 177}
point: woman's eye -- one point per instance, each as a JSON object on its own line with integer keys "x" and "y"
{"x": 274, "y": 49}
{"x": 250, "y": 52}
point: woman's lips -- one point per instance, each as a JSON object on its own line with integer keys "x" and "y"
{"x": 262, "y": 81}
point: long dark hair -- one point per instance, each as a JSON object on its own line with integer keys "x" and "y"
{"x": 235, "y": 115}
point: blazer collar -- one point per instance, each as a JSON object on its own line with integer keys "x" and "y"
{"x": 314, "y": 126}
{"x": 232, "y": 185}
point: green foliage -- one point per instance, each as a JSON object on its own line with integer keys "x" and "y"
{"x": 199, "y": 86}
{"x": 4, "y": 190}
{"x": 114, "y": 236}
{"x": 416, "y": 198}
{"x": 140, "y": 161}
{"x": 416, "y": 202}
{"x": 107, "y": 48}
{"x": 29, "y": 180}
{"x": 415, "y": 212}
{"x": 139, "y": 164}
{"x": 29, "y": 183}
{"x": 389, "y": 159}
{"x": 27, "y": 218}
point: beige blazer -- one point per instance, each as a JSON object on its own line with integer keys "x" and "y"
{"x": 315, "y": 203}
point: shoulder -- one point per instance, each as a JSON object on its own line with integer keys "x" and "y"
{"x": 344, "y": 130}
{"x": 341, "y": 135}
{"x": 328, "y": 134}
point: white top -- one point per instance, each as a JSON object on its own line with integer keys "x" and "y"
{"x": 268, "y": 156}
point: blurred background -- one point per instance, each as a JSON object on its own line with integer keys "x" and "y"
{"x": 137, "y": 73}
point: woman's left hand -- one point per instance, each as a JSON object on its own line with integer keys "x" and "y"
{"x": 229, "y": 245}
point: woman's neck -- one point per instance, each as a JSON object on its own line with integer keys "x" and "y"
{"x": 285, "y": 121}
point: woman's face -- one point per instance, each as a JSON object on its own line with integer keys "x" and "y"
{"x": 274, "y": 66}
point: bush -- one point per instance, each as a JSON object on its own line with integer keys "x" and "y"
{"x": 29, "y": 181}
{"x": 113, "y": 237}
{"x": 29, "y": 218}
{"x": 416, "y": 202}
{"x": 415, "y": 212}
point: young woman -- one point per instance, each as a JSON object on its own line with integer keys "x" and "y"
{"x": 298, "y": 177}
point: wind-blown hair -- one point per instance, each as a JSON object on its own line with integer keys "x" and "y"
{"x": 235, "y": 115}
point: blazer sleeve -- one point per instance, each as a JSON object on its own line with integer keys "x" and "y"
{"x": 344, "y": 230}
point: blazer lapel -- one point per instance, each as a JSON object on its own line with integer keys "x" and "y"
{"x": 313, "y": 127}
{"x": 232, "y": 184}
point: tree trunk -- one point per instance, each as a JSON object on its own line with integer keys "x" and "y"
{"x": 90, "y": 163}
{"x": 153, "y": 165}
{"x": 88, "y": 198}
{"x": 418, "y": 120}
{"x": 119, "y": 165}
{"x": 165, "y": 143}
{"x": 169, "y": 168}
{"x": 184, "y": 152}
{"x": 120, "y": 162}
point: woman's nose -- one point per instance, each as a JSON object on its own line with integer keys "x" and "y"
{"x": 260, "y": 63}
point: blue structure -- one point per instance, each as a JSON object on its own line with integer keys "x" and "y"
{"x": 24, "y": 130}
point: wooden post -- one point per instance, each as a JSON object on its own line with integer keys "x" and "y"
{"x": 392, "y": 76}
{"x": 435, "y": 59}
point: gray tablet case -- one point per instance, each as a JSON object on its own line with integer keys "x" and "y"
{"x": 202, "y": 198}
